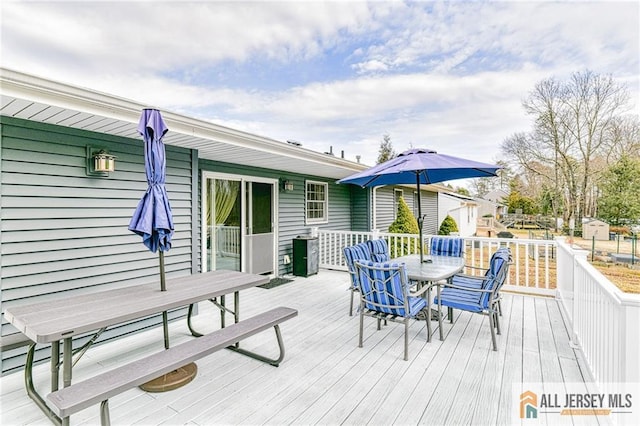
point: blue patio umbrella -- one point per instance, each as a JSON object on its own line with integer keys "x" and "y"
{"x": 152, "y": 218}
{"x": 420, "y": 166}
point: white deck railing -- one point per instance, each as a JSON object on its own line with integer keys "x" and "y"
{"x": 603, "y": 320}
{"x": 533, "y": 271}
{"x": 227, "y": 240}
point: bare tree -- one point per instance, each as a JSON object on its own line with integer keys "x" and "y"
{"x": 576, "y": 125}
{"x": 623, "y": 138}
{"x": 593, "y": 102}
{"x": 482, "y": 186}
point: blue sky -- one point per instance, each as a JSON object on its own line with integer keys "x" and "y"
{"x": 449, "y": 76}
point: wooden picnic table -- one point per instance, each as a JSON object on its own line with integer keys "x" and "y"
{"x": 61, "y": 319}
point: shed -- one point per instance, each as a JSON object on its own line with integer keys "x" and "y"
{"x": 595, "y": 229}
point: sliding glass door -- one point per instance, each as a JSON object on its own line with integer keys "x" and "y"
{"x": 240, "y": 230}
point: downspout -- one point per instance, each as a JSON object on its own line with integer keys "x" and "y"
{"x": 373, "y": 208}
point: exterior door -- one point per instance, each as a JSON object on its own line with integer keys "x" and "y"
{"x": 223, "y": 248}
{"x": 259, "y": 237}
{"x": 240, "y": 230}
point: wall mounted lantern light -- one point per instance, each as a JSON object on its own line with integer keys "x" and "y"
{"x": 287, "y": 185}
{"x": 100, "y": 162}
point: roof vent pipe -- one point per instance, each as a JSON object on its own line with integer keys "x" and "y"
{"x": 358, "y": 158}
{"x": 342, "y": 154}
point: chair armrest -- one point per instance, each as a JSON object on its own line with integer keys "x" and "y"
{"x": 420, "y": 292}
{"x": 473, "y": 277}
{"x": 476, "y": 290}
{"x": 476, "y": 268}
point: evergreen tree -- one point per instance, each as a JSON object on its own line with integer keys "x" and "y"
{"x": 405, "y": 223}
{"x": 620, "y": 188}
{"x": 463, "y": 191}
{"x": 448, "y": 226}
{"x": 386, "y": 151}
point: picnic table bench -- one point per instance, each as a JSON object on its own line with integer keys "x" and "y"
{"x": 57, "y": 321}
{"x": 13, "y": 341}
{"x": 100, "y": 388}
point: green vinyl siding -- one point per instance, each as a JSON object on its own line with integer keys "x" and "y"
{"x": 64, "y": 232}
{"x": 386, "y": 207}
{"x": 360, "y": 210}
{"x": 291, "y": 205}
{"x": 430, "y": 212}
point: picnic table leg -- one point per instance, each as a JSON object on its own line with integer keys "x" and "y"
{"x": 55, "y": 369}
{"x": 31, "y": 390}
{"x": 236, "y": 310}
{"x": 222, "y": 312}
{"x": 194, "y": 333}
{"x": 439, "y": 313}
{"x": 275, "y": 362}
{"x": 429, "y": 312}
{"x": 104, "y": 413}
{"x": 67, "y": 357}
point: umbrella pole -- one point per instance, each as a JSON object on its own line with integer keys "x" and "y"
{"x": 163, "y": 287}
{"x": 180, "y": 376}
{"x": 419, "y": 218}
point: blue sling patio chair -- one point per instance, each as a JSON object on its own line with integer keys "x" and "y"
{"x": 475, "y": 281}
{"x": 446, "y": 246}
{"x": 351, "y": 254}
{"x": 479, "y": 296}
{"x": 379, "y": 250}
{"x": 385, "y": 295}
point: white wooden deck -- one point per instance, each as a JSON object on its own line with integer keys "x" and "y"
{"x": 325, "y": 378}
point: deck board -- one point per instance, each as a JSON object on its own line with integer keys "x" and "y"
{"x": 512, "y": 368}
{"x": 325, "y": 378}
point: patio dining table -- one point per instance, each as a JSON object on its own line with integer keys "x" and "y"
{"x": 433, "y": 271}
{"x": 60, "y": 319}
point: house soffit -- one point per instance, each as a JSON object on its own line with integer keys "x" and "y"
{"x": 33, "y": 98}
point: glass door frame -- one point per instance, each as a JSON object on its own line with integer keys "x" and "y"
{"x": 243, "y": 179}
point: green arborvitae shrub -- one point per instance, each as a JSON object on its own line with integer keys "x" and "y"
{"x": 448, "y": 226}
{"x": 405, "y": 223}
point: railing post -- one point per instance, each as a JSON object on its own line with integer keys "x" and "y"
{"x": 630, "y": 351}
{"x": 577, "y": 254}
{"x": 565, "y": 282}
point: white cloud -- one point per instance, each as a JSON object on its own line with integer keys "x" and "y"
{"x": 444, "y": 75}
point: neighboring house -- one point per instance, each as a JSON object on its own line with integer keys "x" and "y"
{"x": 492, "y": 203}
{"x": 497, "y": 195}
{"x": 486, "y": 207}
{"x": 463, "y": 209}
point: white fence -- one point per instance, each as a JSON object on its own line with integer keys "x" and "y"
{"x": 603, "y": 320}
{"x": 533, "y": 270}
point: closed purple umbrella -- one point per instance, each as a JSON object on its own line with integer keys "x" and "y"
{"x": 420, "y": 166}
{"x": 152, "y": 218}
